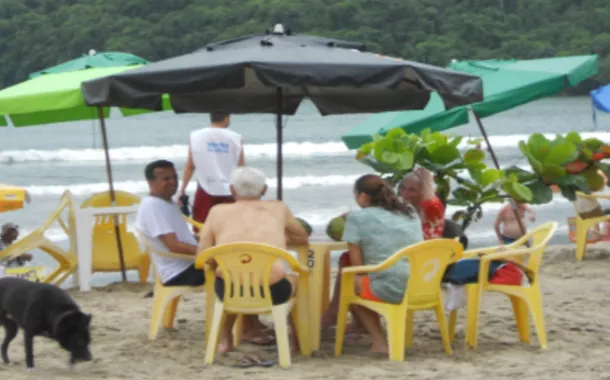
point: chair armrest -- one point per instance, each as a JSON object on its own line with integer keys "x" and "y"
{"x": 592, "y": 196}
{"x": 480, "y": 251}
{"x": 364, "y": 269}
{"x": 193, "y": 222}
{"x": 507, "y": 254}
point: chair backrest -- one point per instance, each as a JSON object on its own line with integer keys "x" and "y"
{"x": 63, "y": 215}
{"x": 540, "y": 237}
{"x": 428, "y": 261}
{"x": 149, "y": 249}
{"x": 246, "y": 269}
{"x": 122, "y": 198}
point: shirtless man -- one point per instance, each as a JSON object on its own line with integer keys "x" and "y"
{"x": 507, "y": 226}
{"x": 251, "y": 219}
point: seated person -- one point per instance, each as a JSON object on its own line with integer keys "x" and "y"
{"x": 507, "y": 226}
{"x": 251, "y": 219}
{"x": 417, "y": 188}
{"x": 159, "y": 219}
{"x": 8, "y": 235}
{"x": 453, "y": 230}
{"x": 383, "y": 226}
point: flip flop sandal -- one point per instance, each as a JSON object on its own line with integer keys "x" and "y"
{"x": 249, "y": 361}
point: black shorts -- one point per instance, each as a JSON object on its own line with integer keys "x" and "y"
{"x": 191, "y": 276}
{"x": 281, "y": 291}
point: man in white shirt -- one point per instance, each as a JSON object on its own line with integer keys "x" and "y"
{"x": 213, "y": 154}
{"x": 160, "y": 221}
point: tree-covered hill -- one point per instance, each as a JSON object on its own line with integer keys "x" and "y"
{"x": 37, "y": 33}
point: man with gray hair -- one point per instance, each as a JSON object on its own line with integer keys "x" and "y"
{"x": 251, "y": 219}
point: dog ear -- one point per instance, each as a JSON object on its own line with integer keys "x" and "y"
{"x": 63, "y": 321}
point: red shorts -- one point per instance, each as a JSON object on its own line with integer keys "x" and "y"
{"x": 204, "y": 203}
{"x": 366, "y": 292}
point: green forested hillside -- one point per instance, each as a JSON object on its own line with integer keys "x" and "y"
{"x": 38, "y": 33}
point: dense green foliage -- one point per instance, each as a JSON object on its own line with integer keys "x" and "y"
{"x": 38, "y": 33}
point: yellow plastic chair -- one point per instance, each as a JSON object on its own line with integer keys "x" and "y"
{"x": 12, "y": 198}
{"x": 523, "y": 298}
{"x": 166, "y": 298}
{"x": 428, "y": 261}
{"x": 104, "y": 245}
{"x": 66, "y": 259}
{"x": 583, "y": 225}
{"x": 248, "y": 266}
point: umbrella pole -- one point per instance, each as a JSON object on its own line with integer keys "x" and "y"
{"x": 115, "y": 219}
{"x": 279, "y": 138}
{"x": 494, "y": 158}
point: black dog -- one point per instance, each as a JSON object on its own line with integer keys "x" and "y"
{"x": 42, "y": 310}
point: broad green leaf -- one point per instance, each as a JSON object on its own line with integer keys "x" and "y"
{"x": 575, "y": 180}
{"x": 552, "y": 171}
{"x": 593, "y": 143}
{"x": 541, "y": 193}
{"x": 521, "y": 192}
{"x": 444, "y": 155}
{"x": 477, "y": 166}
{"x": 474, "y": 155}
{"x": 523, "y": 148}
{"x": 405, "y": 160}
{"x": 455, "y": 142}
{"x": 389, "y": 157}
{"x": 561, "y": 154}
{"x": 396, "y": 133}
{"x": 574, "y": 138}
{"x": 489, "y": 176}
{"x": 538, "y": 146}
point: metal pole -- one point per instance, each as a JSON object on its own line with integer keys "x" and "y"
{"x": 115, "y": 219}
{"x": 279, "y": 138}
{"x": 497, "y": 164}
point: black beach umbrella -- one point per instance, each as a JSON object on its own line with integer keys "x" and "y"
{"x": 272, "y": 73}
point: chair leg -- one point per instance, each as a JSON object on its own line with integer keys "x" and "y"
{"x": 409, "y": 329}
{"x": 444, "y": 329}
{"x": 144, "y": 269}
{"x": 302, "y": 330}
{"x": 170, "y": 313}
{"x": 452, "y": 324}
{"x": 581, "y": 240}
{"x": 474, "y": 299}
{"x": 535, "y": 305}
{"x": 159, "y": 305}
{"x": 280, "y": 320}
{"x": 238, "y": 330}
{"x": 218, "y": 320}
{"x": 341, "y": 324}
{"x": 521, "y": 317}
{"x": 396, "y": 336}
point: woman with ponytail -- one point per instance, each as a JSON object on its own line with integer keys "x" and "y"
{"x": 382, "y": 226}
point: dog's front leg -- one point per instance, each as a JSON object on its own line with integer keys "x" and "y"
{"x": 10, "y": 332}
{"x": 28, "y": 339}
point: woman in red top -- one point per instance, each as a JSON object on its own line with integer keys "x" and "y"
{"x": 417, "y": 188}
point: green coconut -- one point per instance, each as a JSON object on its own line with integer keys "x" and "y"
{"x": 306, "y": 226}
{"x": 335, "y": 227}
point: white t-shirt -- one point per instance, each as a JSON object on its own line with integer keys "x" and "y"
{"x": 215, "y": 154}
{"x": 158, "y": 217}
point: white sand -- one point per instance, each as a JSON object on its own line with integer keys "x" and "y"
{"x": 577, "y": 309}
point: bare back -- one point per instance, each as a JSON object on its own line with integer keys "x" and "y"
{"x": 249, "y": 221}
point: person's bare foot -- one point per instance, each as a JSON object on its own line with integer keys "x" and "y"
{"x": 328, "y": 320}
{"x": 379, "y": 348}
{"x": 225, "y": 345}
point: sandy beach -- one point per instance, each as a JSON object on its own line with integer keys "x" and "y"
{"x": 577, "y": 309}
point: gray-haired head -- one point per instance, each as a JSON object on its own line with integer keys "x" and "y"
{"x": 248, "y": 183}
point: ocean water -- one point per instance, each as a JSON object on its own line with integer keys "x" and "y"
{"x": 319, "y": 171}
